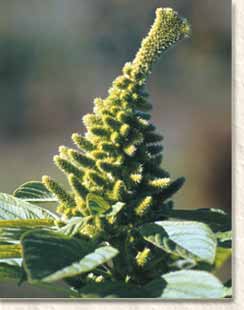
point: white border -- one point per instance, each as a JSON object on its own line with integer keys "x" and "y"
{"x": 237, "y": 303}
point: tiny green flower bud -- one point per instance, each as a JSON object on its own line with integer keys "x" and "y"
{"x": 159, "y": 183}
{"x": 100, "y": 131}
{"x": 68, "y": 167}
{"x": 96, "y": 178}
{"x": 111, "y": 122}
{"x": 58, "y": 191}
{"x": 82, "y": 143}
{"x": 77, "y": 187}
{"x": 81, "y": 159}
{"x": 119, "y": 190}
{"x": 143, "y": 257}
{"x": 143, "y": 206}
{"x": 124, "y": 130}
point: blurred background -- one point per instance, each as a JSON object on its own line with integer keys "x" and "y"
{"x": 56, "y": 56}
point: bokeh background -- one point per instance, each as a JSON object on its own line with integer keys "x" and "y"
{"x": 57, "y": 55}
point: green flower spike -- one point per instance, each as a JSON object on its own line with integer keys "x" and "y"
{"x": 119, "y": 158}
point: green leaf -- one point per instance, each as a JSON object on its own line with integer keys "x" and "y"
{"x": 186, "y": 239}
{"x": 86, "y": 264}
{"x": 34, "y": 191}
{"x": 9, "y": 251}
{"x": 116, "y": 208}
{"x": 46, "y": 252}
{"x": 215, "y": 218}
{"x": 12, "y": 235}
{"x": 192, "y": 284}
{"x": 96, "y": 204}
{"x": 50, "y": 256}
{"x": 73, "y": 226}
{"x": 11, "y": 231}
{"x": 9, "y": 272}
{"x": 12, "y": 208}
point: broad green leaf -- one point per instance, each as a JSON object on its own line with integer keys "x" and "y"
{"x": 96, "y": 204}
{"x": 185, "y": 239}
{"x": 46, "y": 252}
{"x": 86, "y": 264}
{"x": 192, "y": 284}
{"x": 10, "y": 251}
{"x": 9, "y": 272}
{"x": 34, "y": 191}
{"x": 12, "y": 208}
{"x": 216, "y": 218}
{"x": 11, "y": 231}
{"x": 12, "y": 235}
{"x": 195, "y": 237}
{"x": 158, "y": 236}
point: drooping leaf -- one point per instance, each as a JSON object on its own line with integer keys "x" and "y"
{"x": 86, "y": 264}
{"x": 192, "y": 284}
{"x": 50, "y": 256}
{"x": 96, "y": 204}
{"x": 46, "y": 252}
{"x": 12, "y": 208}
{"x": 186, "y": 239}
{"x": 34, "y": 191}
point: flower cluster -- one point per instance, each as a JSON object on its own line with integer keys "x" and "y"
{"x": 120, "y": 155}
